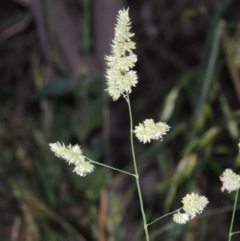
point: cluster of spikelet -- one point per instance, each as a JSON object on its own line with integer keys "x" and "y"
{"x": 73, "y": 155}
{"x": 120, "y": 80}
{"x": 192, "y": 204}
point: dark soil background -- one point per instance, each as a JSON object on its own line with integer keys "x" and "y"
{"x": 52, "y": 89}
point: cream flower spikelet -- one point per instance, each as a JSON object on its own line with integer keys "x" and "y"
{"x": 180, "y": 218}
{"x": 120, "y": 77}
{"x": 149, "y": 130}
{"x": 73, "y": 155}
{"x": 193, "y": 204}
{"x": 230, "y": 180}
{"x": 83, "y": 168}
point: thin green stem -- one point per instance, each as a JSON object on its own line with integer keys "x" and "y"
{"x": 163, "y": 216}
{"x": 235, "y": 232}
{"x": 136, "y": 170}
{"x": 116, "y": 169}
{"x": 233, "y": 215}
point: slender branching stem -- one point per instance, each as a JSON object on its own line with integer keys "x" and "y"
{"x": 235, "y": 232}
{"x": 233, "y": 216}
{"x": 116, "y": 169}
{"x": 163, "y": 216}
{"x": 136, "y": 170}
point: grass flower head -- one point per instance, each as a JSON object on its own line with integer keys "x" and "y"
{"x": 120, "y": 77}
{"x": 149, "y": 130}
{"x": 193, "y": 204}
{"x": 230, "y": 180}
{"x": 180, "y": 218}
{"x": 83, "y": 168}
{"x": 73, "y": 155}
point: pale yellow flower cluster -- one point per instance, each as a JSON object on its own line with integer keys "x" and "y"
{"x": 120, "y": 77}
{"x": 230, "y": 181}
{"x": 192, "y": 204}
{"x": 180, "y": 218}
{"x": 149, "y": 130}
{"x": 73, "y": 155}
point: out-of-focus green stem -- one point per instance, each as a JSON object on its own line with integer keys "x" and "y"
{"x": 233, "y": 216}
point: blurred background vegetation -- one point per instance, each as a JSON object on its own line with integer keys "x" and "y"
{"x": 52, "y": 89}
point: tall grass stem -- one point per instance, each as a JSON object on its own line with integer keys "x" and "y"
{"x": 136, "y": 170}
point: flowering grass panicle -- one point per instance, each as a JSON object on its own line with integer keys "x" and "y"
{"x": 73, "y": 155}
{"x": 120, "y": 81}
{"x": 230, "y": 181}
{"x": 149, "y": 130}
{"x": 120, "y": 77}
